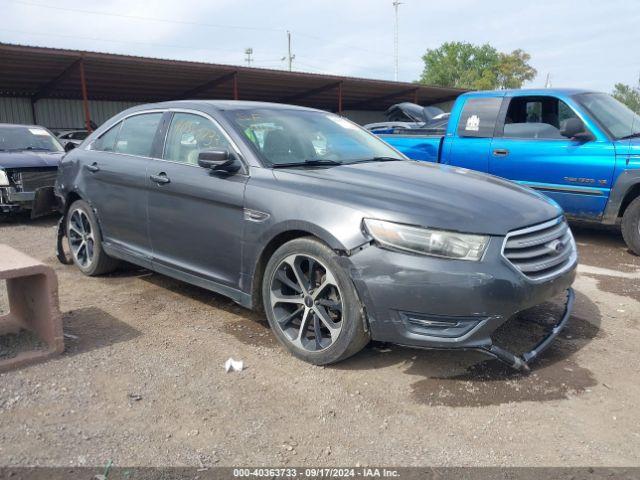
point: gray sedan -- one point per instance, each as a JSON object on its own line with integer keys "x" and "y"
{"x": 302, "y": 213}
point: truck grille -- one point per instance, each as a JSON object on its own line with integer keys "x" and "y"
{"x": 542, "y": 251}
{"x": 32, "y": 180}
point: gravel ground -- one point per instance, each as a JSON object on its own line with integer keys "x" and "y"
{"x": 142, "y": 383}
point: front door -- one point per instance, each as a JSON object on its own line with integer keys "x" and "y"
{"x": 469, "y": 147}
{"x": 531, "y": 150}
{"x": 196, "y": 217}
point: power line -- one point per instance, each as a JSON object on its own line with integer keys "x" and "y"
{"x": 187, "y": 22}
{"x": 140, "y": 17}
{"x": 128, "y": 42}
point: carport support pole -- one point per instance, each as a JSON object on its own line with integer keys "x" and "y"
{"x": 85, "y": 97}
{"x": 235, "y": 86}
{"x": 340, "y": 97}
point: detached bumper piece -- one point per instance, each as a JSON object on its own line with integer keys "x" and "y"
{"x": 522, "y": 362}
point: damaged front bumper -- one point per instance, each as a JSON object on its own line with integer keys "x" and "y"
{"x": 523, "y": 361}
{"x": 39, "y": 202}
{"x": 436, "y": 303}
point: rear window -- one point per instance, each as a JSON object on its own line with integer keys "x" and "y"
{"x": 478, "y": 118}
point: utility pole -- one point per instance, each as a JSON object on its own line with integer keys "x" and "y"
{"x": 547, "y": 83}
{"x": 396, "y": 4}
{"x": 289, "y": 56}
{"x": 248, "y": 52}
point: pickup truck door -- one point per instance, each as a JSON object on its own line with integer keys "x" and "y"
{"x": 467, "y": 143}
{"x": 196, "y": 217}
{"x": 530, "y": 149}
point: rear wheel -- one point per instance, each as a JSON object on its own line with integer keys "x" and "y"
{"x": 631, "y": 226}
{"x": 311, "y": 304}
{"x": 85, "y": 241}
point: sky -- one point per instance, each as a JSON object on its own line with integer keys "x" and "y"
{"x": 582, "y": 44}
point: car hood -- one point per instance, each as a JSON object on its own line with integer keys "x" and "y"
{"x": 29, "y": 159}
{"x": 421, "y": 193}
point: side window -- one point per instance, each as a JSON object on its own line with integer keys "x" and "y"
{"x": 536, "y": 118}
{"x": 478, "y": 117}
{"x": 137, "y": 134}
{"x": 189, "y": 134}
{"x": 107, "y": 141}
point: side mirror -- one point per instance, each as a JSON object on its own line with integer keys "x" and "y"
{"x": 218, "y": 161}
{"x": 69, "y": 146}
{"x": 575, "y": 130}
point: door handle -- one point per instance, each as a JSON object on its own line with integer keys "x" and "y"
{"x": 160, "y": 179}
{"x": 93, "y": 167}
{"x": 500, "y": 152}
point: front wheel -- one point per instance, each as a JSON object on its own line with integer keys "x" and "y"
{"x": 85, "y": 241}
{"x": 311, "y": 303}
{"x": 631, "y": 226}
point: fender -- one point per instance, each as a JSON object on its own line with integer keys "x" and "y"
{"x": 625, "y": 182}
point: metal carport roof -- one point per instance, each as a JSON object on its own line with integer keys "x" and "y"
{"x": 38, "y": 72}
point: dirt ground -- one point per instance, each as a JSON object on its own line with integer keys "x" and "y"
{"x": 142, "y": 383}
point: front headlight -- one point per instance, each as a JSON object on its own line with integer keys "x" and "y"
{"x": 4, "y": 180}
{"x": 427, "y": 241}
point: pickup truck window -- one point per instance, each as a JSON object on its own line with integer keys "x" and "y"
{"x": 478, "y": 117}
{"x": 536, "y": 117}
{"x": 617, "y": 119}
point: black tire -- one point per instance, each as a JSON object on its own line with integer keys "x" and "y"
{"x": 98, "y": 263}
{"x": 352, "y": 336}
{"x": 631, "y": 226}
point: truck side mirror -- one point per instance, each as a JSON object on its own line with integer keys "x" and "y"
{"x": 575, "y": 130}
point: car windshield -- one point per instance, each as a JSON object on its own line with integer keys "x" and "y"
{"x": 615, "y": 117}
{"x": 16, "y": 138}
{"x": 285, "y": 137}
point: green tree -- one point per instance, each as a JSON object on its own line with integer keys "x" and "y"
{"x": 464, "y": 65}
{"x": 628, "y": 95}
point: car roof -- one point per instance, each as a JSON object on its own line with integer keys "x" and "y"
{"x": 528, "y": 91}
{"x": 21, "y": 125}
{"x": 223, "y": 105}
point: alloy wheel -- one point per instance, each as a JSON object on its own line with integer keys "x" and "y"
{"x": 306, "y": 302}
{"x": 81, "y": 239}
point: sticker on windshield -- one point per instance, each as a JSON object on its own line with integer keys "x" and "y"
{"x": 473, "y": 123}
{"x": 342, "y": 122}
{"x": 39, "y": 131}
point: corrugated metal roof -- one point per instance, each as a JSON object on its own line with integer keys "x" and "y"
{"x": 52, "y": 73}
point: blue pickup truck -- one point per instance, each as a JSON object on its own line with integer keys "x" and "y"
{"x": 580, "y": 148}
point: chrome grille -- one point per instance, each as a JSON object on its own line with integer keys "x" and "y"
{"x": 32, "y": 180}
{"x": 542, "y": 251}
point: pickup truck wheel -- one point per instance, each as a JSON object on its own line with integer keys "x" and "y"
{"x": 85, "y": 241}
{"x": 631, "y": 226}
{"x": 311, "y": 303}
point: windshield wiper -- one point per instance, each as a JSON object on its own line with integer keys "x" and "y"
{"x": 379, "y": 159}
{"x": 627, "y": 137}
{"x": 315, "y": 162}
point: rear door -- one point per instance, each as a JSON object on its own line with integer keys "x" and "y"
{"x": 115, "y": 182}
{"x": 530, "y": 149}
{"x": 471, "y": 143}
{"x": 196, "y": 217}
